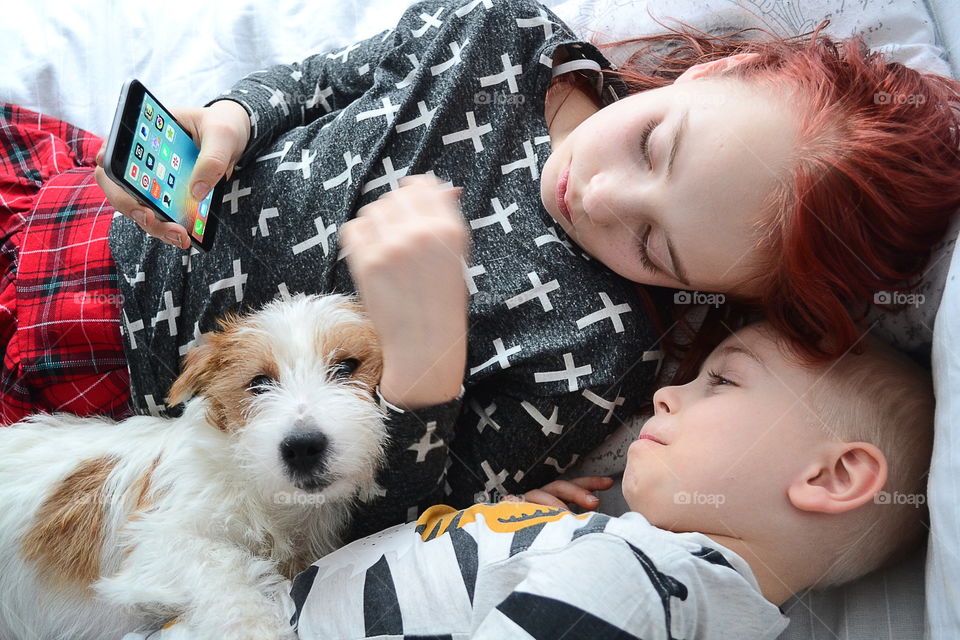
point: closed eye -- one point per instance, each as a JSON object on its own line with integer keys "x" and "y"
{"x": 644, "y": 252}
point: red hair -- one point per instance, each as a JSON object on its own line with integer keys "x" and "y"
{"x": 875, "y": 176}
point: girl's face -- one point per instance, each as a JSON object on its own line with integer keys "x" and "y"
{"x": 666, "y": 186}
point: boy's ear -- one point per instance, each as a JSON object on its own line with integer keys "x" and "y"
{"x": 848, "y": 477}
{"x": 715, "y": 66}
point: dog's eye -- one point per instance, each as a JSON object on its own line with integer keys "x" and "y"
{"x": 259, "y": 384}
{"x": 345, "y": 368}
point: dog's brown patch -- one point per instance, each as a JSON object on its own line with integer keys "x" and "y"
{"x": 359, "y": 341}
{"x": 67, "y": 534}
{"x": 141, "y": 488}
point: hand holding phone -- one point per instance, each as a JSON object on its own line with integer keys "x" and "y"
{"x": 222, "y": 131}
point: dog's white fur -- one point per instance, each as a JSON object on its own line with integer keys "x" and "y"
{"x": 198, "y": 516}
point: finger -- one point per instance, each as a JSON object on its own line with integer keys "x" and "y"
{"x": 100, "y": 152}
{"x": 419, "y": 178}
{"x": 173, "y": 234}
{"x": 572, "y": 493}
{"x": 539, "y": 496}
{"x": 216, "y": 149}
{"x": 594, "y": 483}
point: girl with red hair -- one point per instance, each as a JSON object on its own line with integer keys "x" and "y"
{"x": 794, "y": 176}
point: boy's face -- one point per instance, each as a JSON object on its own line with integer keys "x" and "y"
{"x": 724, "y": 448}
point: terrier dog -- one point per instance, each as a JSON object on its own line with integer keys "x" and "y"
{"x": 109, "y": 527}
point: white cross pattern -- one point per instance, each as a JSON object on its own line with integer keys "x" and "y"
{"x": 306, "y": 157}
{"x": 654, "y": 355}
{"x": 278, "y": 99}
{"x": 609, "y": 311}
{"x": 455, "y": 48}
{"x": 529, "y": 161}
{"x": 350, "y": 161}
{"x": 609, "y": 405}
{"x": 276, "y": 154}
{"x": 494, "y": 480}
{"x": 387, "y": 111}
{"x": 265, "y": 214}
{"x": 321, "y": 238}
{"x": 539, "y": 21}
{"x": 344, "y": 54}
{"x": 428, "y": 21}
{"x": 168, "y": 313}
{"x": 425, "y": 117}
{"x": 132, "y": 328}
{"x": 296, "y": 74}
{"x": 408, "y": 79}
{"x": 426, "y": 444}
{"x": 548, "y": 425}
{"x": 553, "y": 462}
{"x": 501, "y": 216}
{"x": 467, "y": 8}
{"x": 152, "y": 406}
{"x": 254, "y": 120}
{"x": 140, "y": 277}
{"x": 235, "y": 194}
{"x": 552, "y": 236}
{"x": 320, "y": 97}
{"x": 539, "y": 291}
{"x": 500, "y": 358}
{"x": 485, "y": 413}
{"x": 469, "y": 273}
{"x": 508, "y": 75}
{"x": 235, "y": 282}
{"x": 182, "y": 350}
{"x": 390, "y": 176}
{"x": 570, "y": 373}
{"x": 472, "y": 132}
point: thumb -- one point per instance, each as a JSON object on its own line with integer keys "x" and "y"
{"x": 213, "y": 163}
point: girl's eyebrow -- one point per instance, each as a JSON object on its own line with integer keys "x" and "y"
{"x": 675, "y": 145}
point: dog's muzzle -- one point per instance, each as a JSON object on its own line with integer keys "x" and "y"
{"x": 304, "y": 453}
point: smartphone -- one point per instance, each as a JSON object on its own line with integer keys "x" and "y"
{"x": 151, "y": 156}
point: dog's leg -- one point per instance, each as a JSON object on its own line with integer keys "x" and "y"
{"x": 216, "y": 589}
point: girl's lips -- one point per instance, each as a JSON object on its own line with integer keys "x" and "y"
{"x": 647, "y": 436}
{"x": 562, "y": 193}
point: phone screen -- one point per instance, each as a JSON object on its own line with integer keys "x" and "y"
{"x": 161, "y": 159}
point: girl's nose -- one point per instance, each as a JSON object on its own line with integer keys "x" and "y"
{"x": 610, "y": 202}
{"x": 666, "y": 400}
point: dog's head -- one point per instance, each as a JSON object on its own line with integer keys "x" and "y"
{"x": 294, "y": 385}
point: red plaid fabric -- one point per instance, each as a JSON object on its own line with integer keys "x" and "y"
{"x": 59, "y": 304}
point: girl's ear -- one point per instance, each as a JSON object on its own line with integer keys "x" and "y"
{"x": 846, "y": 479}
{"x": 715, "y": 66}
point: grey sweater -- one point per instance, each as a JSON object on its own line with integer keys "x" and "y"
{"x": 561, "y": 349}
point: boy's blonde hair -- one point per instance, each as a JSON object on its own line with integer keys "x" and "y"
{"x": 882, "y": 397}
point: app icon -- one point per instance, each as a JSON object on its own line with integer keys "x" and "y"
{"x": 175, "y": 162}
{"x": 150, "y": 161}
{"x": 166, "y": 199}
{"x": 142, "y": 131}
{"x": 155, "y": 189}
{"x": 145, "y": 181}
{"x": 161, "y": 170}
{"x": 169, "y": 132}
{"x": 155, "y": 142}
{"x": 198, "y": 228}
{"x": 202, "y": 209}
{"x": 171, "y": 180}
{"x": 159, "y": 122}
{"x": 148, "y": 111}
{"x": 134, "y": 171}
{"x": 165, "y": 152}
{"x": 138, "y": 151}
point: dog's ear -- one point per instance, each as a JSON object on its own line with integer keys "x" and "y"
{"x": 199, "y": 367}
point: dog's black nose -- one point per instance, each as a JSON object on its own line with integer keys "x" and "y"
{"x": 303, "y": 452}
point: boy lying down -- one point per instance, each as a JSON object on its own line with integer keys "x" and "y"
{"x": 758, "y": 479}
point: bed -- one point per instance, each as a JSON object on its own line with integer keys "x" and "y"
{"x": 70, "y": 59}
